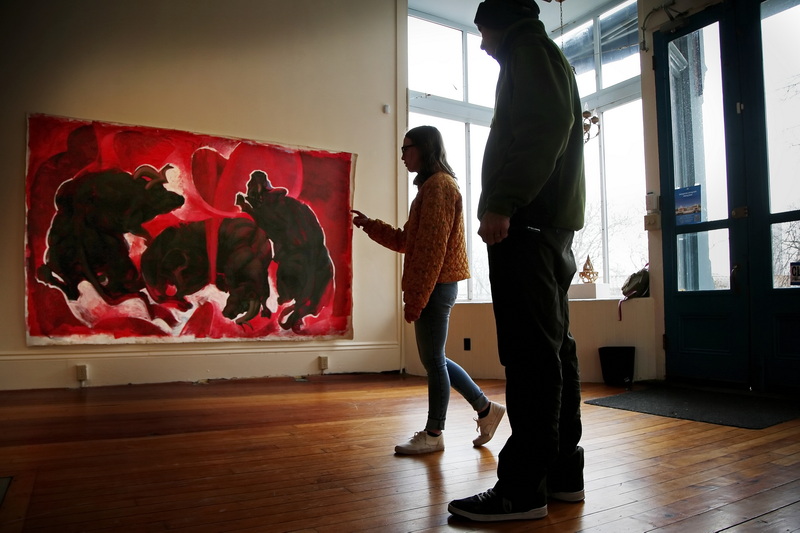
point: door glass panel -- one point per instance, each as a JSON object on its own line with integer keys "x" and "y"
{"x": 703, "y": 261}
{"x": 698, "y": 127}
{"x": 779, "y": 27}
{"x": 785, "y": 251}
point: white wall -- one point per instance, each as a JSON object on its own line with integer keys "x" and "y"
{"x": 304, "y": 72}
{"x": 594, "y": 323}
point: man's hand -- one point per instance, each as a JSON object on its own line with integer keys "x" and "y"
{"x": 494, "y": 227}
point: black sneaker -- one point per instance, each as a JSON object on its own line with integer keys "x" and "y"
{"x": 492, "y": 507}
{"x": 566, "y": 484}
{"x": 571, "y": 496}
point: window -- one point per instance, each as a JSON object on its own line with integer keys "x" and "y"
{"x": 451, "y": 86}
{"x": 435, "y": 49}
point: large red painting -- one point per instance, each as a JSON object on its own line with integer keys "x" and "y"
{"x": 137, "y": 234}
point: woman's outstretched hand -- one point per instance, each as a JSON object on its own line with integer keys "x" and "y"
{"x": 359, "y": 218}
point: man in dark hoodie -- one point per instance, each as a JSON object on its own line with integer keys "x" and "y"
{"x": 532, "y": 202}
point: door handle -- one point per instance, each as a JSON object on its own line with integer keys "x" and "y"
{"x": 734, "y": 278}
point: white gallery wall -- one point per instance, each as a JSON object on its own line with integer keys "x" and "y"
{"x": 305, "y": 73}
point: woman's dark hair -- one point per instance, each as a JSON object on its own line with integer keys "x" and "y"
{"x": 428, "y": 140}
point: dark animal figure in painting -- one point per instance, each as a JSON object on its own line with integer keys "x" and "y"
{"x": 305, "y": 269}
{"x": 86, "y": 241}
{"x": 243, "y": 258}
{"x": 176, "y": 264}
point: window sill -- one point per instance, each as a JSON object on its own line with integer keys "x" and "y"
{"x": 577, "y": 291}
{"x": 590, "y": 291}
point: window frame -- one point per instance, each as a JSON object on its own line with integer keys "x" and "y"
{"x": 602, "y": 100}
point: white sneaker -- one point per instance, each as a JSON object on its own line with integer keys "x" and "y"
{"x": 421, "y": 442}
{"x": 488, "y": 424}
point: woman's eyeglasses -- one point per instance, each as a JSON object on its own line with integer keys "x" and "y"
{"x": 406, "y": 147}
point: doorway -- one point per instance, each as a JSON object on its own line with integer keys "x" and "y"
{"x": 728, "y": 92}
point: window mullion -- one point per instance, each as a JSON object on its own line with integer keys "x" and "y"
{"x": 464, "y": 66}
{"x": 448, "y": 108}
{"x": 468, "y": 220}
{"x": 604, "y": 218}
{"x": 598, "y": 68}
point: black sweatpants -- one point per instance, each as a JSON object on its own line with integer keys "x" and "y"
{"x": 530, "y": 273}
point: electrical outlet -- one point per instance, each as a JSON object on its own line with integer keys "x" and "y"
{"x": 81, "y": 372}
{"x": 323, "y": 362}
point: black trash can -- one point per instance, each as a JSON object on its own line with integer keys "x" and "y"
{"x": 616, "y": 362}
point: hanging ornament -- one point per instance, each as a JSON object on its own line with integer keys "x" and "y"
{"x": 591, "y": 124}
{"x": 591, "y": 121}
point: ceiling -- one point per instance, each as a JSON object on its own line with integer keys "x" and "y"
{"x": 463, "y": 11}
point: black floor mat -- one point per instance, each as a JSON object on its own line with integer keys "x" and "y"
{"x": 742, "y": 410}
{"x": 5, "y": 482}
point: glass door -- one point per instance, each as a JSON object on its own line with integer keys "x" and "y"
{"x": 706, "y": 271}
{"x": 728, "y": 89}
{"x": 776, "y": 319}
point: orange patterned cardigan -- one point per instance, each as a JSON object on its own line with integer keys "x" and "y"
{"x": 432, "y": 239}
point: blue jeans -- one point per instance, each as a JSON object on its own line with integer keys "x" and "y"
{"x": 431, "y": 333}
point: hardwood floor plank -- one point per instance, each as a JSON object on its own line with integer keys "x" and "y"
{"x": 784, "y": 519}
{"x": 317, "y": 455}
{"x": 741, "y": 511}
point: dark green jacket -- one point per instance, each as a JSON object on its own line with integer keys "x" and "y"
{"x": 533, "y": 163}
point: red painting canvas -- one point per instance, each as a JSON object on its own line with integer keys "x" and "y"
{"x": 138, "y": 234}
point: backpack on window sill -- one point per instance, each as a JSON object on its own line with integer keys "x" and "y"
{"x": 636, "y": 286}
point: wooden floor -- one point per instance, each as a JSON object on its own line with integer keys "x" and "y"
{"x": 317, "y": 455}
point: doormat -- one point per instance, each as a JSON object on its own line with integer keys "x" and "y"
{"x": 713, "y": 407}
{"x": 5, "y": 482}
